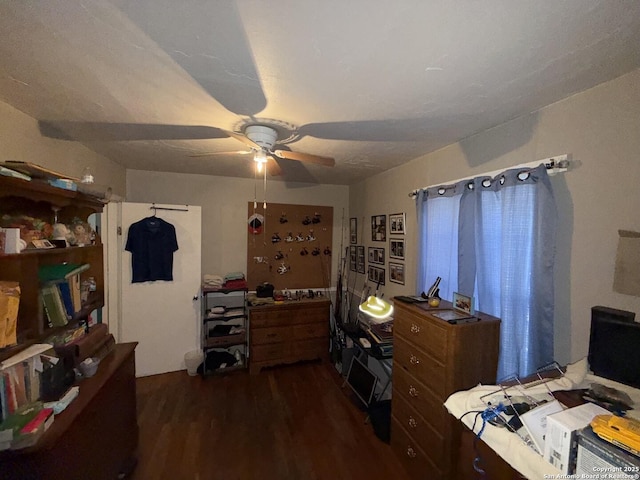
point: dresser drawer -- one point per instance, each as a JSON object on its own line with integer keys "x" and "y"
{"x": 415, "y": 461}
{"x": 310, "y": 349}
{"x": 274, "y": 351}
{"x": 269, "y": 318}
{"x": 420, "y": 365}
{"x": 420, "y": 398}
{"x": 291, "y": 314}
{"x": 431, "y": 335}
{"x": 310, "y": 330}
{"x": 260, "y": 336}
{"x": 426, "y": 436}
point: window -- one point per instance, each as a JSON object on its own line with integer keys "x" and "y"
{"x": 494, "y": 239}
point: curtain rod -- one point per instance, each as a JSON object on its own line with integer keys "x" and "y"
{"x": 557, "y": 164}
{"x": 153, "y": 207}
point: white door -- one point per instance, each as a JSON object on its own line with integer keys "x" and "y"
{"x": 162, "y": 316}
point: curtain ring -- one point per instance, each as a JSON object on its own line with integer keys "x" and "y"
{"x": 502, "y": 179}
{"x": 470, "y": 186}
{"x": 486, "y": 183}
{"x": 522, "y": 176}
{"x": 441, "y": 191}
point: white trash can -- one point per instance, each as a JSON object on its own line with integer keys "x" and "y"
{"x": 192, "y": 360}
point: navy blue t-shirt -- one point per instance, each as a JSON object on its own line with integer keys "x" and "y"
{"x": 151, "y": 242}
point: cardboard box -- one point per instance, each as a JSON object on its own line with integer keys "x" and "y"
{"x": 598, "y": 458}
{"x": 561, "y": 439}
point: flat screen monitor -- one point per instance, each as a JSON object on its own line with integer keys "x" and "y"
{"x": 362, "y": 381}
{"x": 614, "y": 346}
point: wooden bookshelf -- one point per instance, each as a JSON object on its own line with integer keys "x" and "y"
{"x": 38, "y": 199}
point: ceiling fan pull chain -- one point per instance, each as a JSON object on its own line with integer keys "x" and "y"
{"x": 265, "y": 189}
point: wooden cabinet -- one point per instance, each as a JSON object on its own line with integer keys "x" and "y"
{"x": 288, "y": 333}
{"x": 433, "y": 359}
{"x": 224, "y": 323}
{"x": 95, "y": 437}
{"x": 38, "y": 199}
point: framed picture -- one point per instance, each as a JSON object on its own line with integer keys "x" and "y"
{"x": 352, "y": 258}
{"x": 379, "y": 228}
{"x": 360, "y": 259}
{"x": 353, "y": 231}
{"x": 463, "y": 302}
{"x": 376, "y": 275}
{"x": 376, "y": 255}
{"x": 396, "y": 273}
{"x": 396, "y": 223}
{"x": 396, "y": 248}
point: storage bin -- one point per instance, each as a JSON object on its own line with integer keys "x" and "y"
{"x": 192, "y": 360}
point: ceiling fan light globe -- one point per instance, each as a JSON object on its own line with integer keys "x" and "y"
{"x": 260, "y": 157}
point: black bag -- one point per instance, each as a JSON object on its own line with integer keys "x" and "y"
{"x": 264, "y": 291}
{"x": 55, "y": 381}
{"x": 380, "y": 416}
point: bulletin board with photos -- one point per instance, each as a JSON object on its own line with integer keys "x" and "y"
{"x": 289, "y": 246}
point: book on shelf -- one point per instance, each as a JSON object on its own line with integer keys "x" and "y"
{"x": 40, "y": 420}
{"x": 76, "y": 294}
{"x": 67, "y": 300}
{"x": 60, "y": 272}
{"x": 20, "y": 383}
{"x": 10, "y": 427}
{"x": 53, "y": 305}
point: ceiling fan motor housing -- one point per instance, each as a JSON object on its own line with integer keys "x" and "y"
{"x": 264, "y": 136}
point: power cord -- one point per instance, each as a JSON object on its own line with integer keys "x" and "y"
{"x": 486, "y": 415}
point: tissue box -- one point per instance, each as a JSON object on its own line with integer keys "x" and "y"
{"x": 561, "y": 439}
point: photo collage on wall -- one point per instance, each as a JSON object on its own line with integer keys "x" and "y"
{"x": 396, "y": 247}
{"x": 381, "y": 229}
{"x": 356, "y": 252}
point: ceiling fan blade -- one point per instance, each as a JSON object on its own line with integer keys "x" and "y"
{"x": 211, "y": 154}
{"x": 114, "y": 132}
{"x": 402, "y": 130}
{"x": 305, "y": 157}
{"x": 273, "y": 168}
{"x": 242, "y": 138}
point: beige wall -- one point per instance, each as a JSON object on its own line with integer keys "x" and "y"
{"x": 224, "y": 209}
{"x": 21, "y": 140}
{"x": 601, "y": 129}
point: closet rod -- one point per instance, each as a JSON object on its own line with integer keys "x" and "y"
{"x": 153, "y": 207}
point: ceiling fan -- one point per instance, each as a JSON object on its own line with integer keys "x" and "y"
{"x": 261, "y": 140}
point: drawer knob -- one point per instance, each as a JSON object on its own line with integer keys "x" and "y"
{"x": 411, "y": 453}
{"x": 414, "y": 360}
{"x": 412, "y": 422}
{"x": 413, "y": 391}
{"x": 415, "y": 328}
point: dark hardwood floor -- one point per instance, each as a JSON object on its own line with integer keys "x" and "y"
{"x": 290, "y": 422}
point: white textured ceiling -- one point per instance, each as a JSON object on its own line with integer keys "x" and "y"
{"x": 371, "y": 83}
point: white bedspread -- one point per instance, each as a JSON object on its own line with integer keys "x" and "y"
{"x": 509, "y": 445}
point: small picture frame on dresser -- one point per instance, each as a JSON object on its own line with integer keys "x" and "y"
{"x": 463, "y": 303}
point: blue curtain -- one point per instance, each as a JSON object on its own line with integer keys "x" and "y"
{"x": 438, "y": 239}
{"x": 505, "y": 250}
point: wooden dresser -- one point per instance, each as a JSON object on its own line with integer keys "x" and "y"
{"x": 95, "y": 437}
{"x": 432, "y": 359}
{"x": 288, "y": 333}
